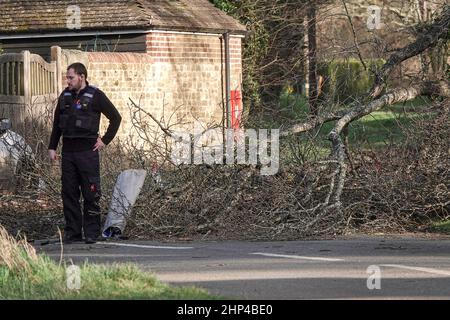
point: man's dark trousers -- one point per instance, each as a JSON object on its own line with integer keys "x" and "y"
{"x": 81, "y": 176}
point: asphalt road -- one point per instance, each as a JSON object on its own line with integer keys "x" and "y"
{"x": 373, "y": 268}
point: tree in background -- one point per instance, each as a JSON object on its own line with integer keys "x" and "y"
{"x": 404, "y": 34}
{"x": 273, "y": 48}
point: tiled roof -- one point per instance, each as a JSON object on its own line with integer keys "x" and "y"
{"x": 35, "y": 16}
{"x": 189, "y": 14}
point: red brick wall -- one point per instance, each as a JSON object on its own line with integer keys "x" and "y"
{"x": 196, "y": 65}
{"x": 181, "y": 75}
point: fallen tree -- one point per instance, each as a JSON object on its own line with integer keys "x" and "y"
{"x": 439, "y": 29}
{"x": 318, "y": 198}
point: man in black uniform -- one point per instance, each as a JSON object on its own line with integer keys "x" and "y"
{"x": 77, "y": 119}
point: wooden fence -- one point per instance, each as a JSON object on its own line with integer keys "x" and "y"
{"x": 26, "y": 75}
{"x": 26, "y": 80}
{"x": 11, "y": 74}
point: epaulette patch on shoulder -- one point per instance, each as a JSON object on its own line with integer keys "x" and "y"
{"x": 67, "y": 100}
{"x": 86, "y": 100}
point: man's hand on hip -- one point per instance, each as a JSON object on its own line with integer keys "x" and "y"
{"x": 98, "y": 145}
{"x": 52, "y": 155}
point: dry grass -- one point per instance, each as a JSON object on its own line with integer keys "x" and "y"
{"x": 16, "y": 254}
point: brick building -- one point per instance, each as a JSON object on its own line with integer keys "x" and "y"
{"x": 179, "y": 58}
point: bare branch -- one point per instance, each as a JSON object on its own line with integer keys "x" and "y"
{"x": 355, "y": 41}
{"x": 165, "y": 130}
{"x": 429, "y": 38}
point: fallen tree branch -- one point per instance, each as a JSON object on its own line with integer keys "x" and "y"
{"x": 400, "y": 95}
{"x": 345, "y": 117}
{"x": 441, "y": 88}
{"x": 312, "y": 123}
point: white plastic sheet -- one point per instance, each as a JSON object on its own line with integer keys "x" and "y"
{"x": 127, "y": 189}
{"x": 13, "y": 149}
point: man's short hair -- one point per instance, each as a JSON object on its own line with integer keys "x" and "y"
{"x": 79, "y": 69}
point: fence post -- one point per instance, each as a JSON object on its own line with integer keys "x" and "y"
{"x": 56, "y": 57}
{"x": 26, "y": 77}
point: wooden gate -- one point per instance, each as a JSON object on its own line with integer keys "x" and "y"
{"x": 25, "y": 80}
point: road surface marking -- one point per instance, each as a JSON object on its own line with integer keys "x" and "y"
{"x": 428, "y": 270}
{"x": 111, "y": 255}
{"x": 147, "y": 247}
{"x": 295, "y": 257}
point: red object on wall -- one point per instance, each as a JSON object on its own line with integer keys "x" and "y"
{"x": 236, "y": 109}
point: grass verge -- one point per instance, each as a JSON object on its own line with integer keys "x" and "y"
{"x": 442, "y": 227}
{"x": 27, "y": 275}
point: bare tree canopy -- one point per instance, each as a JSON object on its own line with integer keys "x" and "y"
{"x": 427, "y": 39}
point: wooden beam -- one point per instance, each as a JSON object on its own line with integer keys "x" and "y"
{"x": 26, "y": 77}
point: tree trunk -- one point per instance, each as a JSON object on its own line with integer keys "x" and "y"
{"x": 312, "y": 59}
